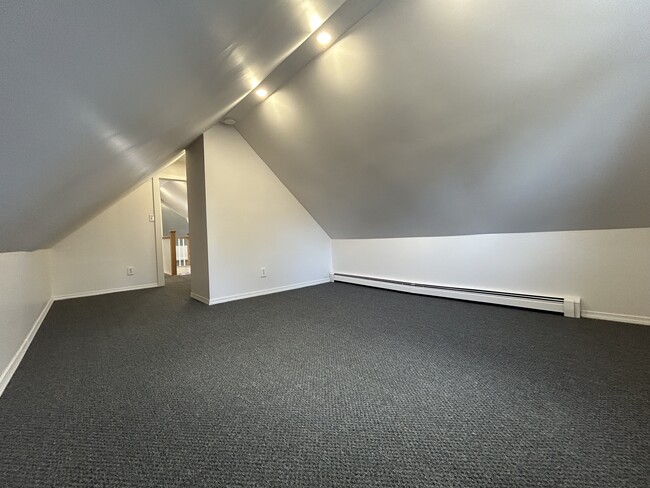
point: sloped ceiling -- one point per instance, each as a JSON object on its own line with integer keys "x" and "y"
{"x": 173, "y": 195}
{"x": 470, "y": 116}
{"x": 96, "y": 95}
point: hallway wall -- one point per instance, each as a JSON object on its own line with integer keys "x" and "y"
{"x": 252, "y": 221}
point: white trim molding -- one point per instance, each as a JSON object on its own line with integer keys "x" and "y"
{"x": 616, "y": 317}
{"x": 268, "y": 291}
{"x": 9, "y": 371}
{"x": 105, "y": 292}
{"x": 200, "y": 298}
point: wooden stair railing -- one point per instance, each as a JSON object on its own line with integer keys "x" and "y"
{"x": 173, "y": 242}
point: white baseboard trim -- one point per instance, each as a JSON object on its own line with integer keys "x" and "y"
{"x": 105, "y": 292}
{"x": 616, "y": 317}
{"x": 257, "y": 293}
{"x": 15, "y": 361}
{"x": 9, "y": 371}
{"x": 200, "y": 298}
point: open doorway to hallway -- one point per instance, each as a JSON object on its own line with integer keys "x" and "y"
{"x": 175, "y": 222}
{"x": 175, "y": 238}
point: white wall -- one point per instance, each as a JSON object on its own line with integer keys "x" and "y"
{"x": 196, "y": 206}
{"x": 25, "y": 293}
{"x": 253, "y": 221}
{"x": 608, "y": 269}
{"x": 94, "y": 258}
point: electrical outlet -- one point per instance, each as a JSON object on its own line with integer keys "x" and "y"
{"x": 263, "y": 273}
{"x": 130, "y": 270}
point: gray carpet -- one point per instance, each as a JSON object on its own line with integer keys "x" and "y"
{"x": 333, "y": 385}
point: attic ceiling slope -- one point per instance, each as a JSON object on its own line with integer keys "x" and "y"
{"x": 469, "y": 117}
{"x": 95, "y": 96}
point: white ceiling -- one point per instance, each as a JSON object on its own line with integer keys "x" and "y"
{"x": 470, "y": 116}
{"x": 173, "y": 195}
{"x": 427, "y": 118}
{"x": 96, "y": 95}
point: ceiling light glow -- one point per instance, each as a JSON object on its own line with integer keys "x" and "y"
{"x": 261, "y": 92}
{"x": 324, "y": 38}
{"x": 315, "y": 21}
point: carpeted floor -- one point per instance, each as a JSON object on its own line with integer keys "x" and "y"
{"x": 333, "y": 385}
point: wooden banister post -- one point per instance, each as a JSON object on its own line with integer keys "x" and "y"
{"x": 172, "y": 249}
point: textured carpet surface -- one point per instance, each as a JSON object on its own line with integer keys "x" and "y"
{"x": 333, "y": 385}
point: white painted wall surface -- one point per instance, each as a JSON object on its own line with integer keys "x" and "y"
{"x": 608, "y": 269}
{"x": 94, "y": 258}
{"x": 254, "y": 222}
{"x": 196, "y": 206}
{"x": 167, "y": 256}
{"x": 25, "y": 292}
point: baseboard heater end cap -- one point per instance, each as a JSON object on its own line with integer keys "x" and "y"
{"x": 572, "y": 307}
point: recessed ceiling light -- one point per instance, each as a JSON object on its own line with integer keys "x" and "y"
{"x": 261, "y": 92}
{"x": 324, "y": 38}
{"x": 229, "y": 121}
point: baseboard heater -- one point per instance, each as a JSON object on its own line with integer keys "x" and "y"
{"x": 569, "y": 306}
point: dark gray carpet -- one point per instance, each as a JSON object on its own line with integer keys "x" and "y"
{"x": 333, "y": 385}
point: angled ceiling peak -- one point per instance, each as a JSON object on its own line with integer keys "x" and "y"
{"x": 95, "y": 96}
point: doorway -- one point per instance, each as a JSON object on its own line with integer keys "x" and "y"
{"x": 174, "y": 238}
{"x": 176, "y": 228}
